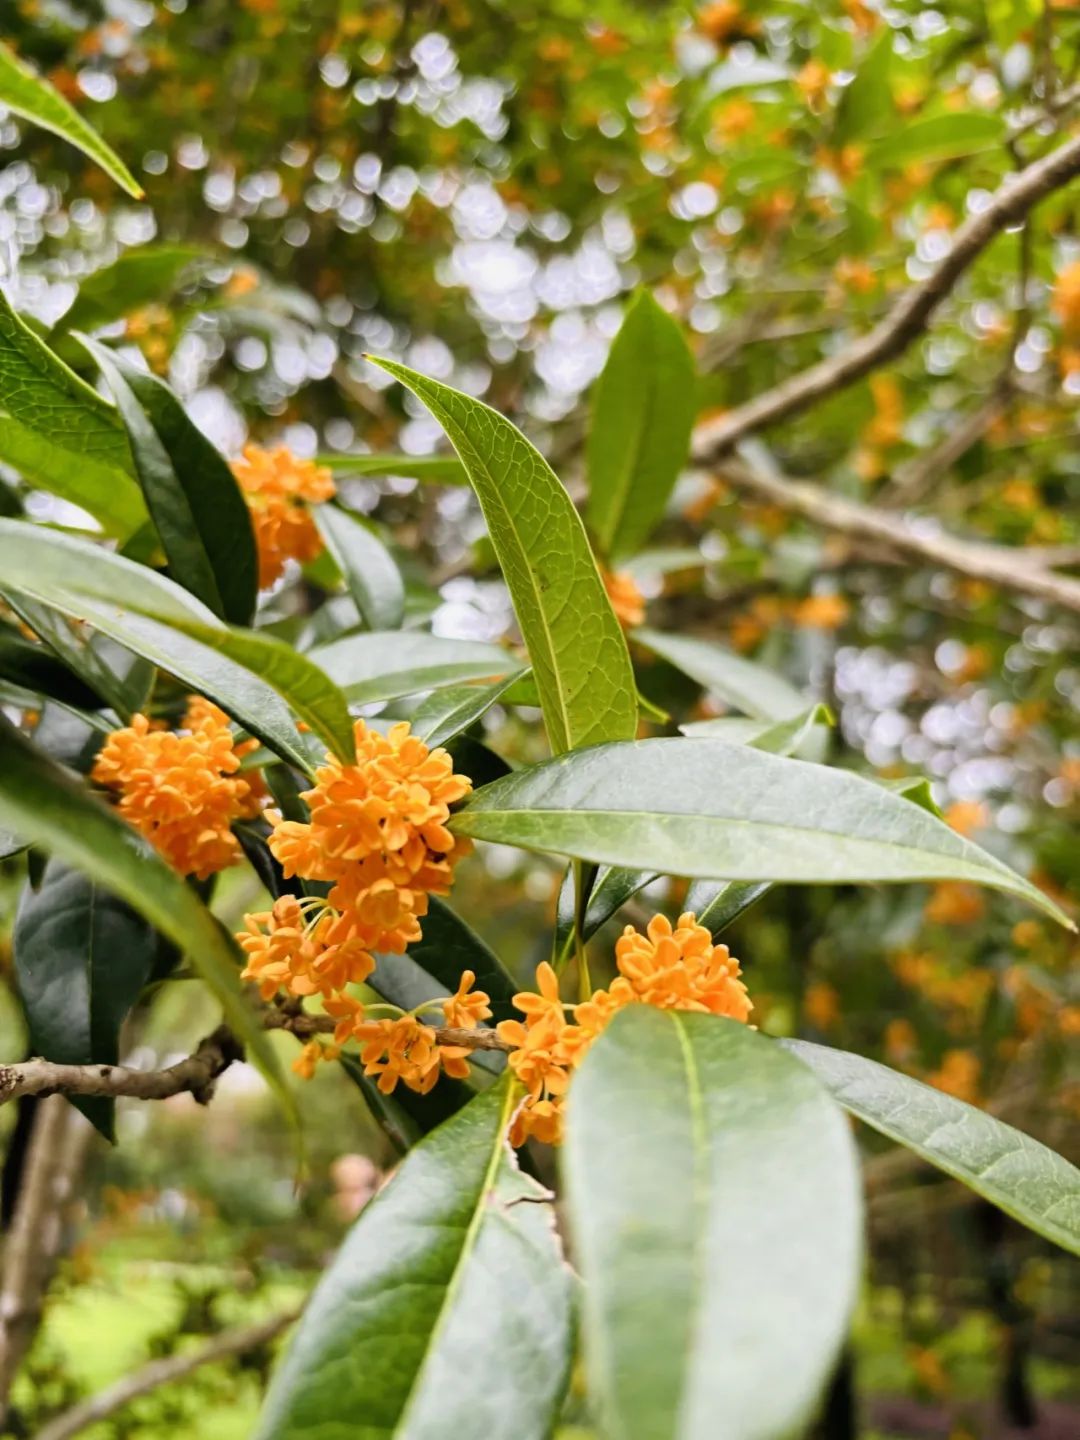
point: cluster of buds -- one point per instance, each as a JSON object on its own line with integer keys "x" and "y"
{"x": 672, "y": 968}
{"x": 378, "y": 838}
{"x": 183, "y": 790}
{"x": 278, "y": 487}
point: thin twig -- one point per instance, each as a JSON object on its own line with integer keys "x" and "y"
{"x": 1002, "y": 565}
{"x": 907, "y": 319}
{"x": 163, "y": 1372}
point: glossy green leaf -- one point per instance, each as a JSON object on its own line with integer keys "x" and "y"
{"x": 447, "y": 1310}
{"x": 142, "y": 276}
{"x": 435, "y": 469}
{"x": 576, "y": 646}
{"x": 1020, "y": 1175}
{"x": 387, "y": 664}
{"x": 781, "y": 737}
{"x": 191, "y": 493}
{"x": 29, "y": 95}
{"x": 639, "y": 433}
{"x": 734, "y": 1214}
{"x": 123, "y": 680}
{"x": 610, "y": 890}
{"x": 40, "y": 392}
{"x": 45, "y": 805}
{"x": 446, "y": 713}
{"x": 373, "y": 578}
{"x": 960, "y": 132}
{"x": 703, "y": 808}
{"x": 82, "y": 957}
{"x": 247, "y": 674}
{"x": 750, "y": 687}
{"x": 450, "y": 946}
{"x": 717, "y": 903}
{"x": 103, "y": 490}
{"x": 34, "y": 668}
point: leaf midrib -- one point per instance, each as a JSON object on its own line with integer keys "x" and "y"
{"x": 563, "y": 742}
{"x": 699, "y": 1201}
{"x": 731, "y": 821}
{"x": 468, "y": 1245}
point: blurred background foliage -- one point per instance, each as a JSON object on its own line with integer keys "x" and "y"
{"x": 475, "y": 187}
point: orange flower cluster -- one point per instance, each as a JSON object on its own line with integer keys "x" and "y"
{"x": 182, "y": 790}
{"x": 403, "y": 1048}
{"x": 378, "y": 836}
{"x": 672, "y": 968}
{"x": 626, "y": 599}
{"x": 276, "y": 485}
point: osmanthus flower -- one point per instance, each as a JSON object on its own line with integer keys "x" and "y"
{"x": 466, "y": 1007}
{"x": 681, "y": 969}
{"x": 182, "y": 790}
{"x": 278, "y": 486}
{"x": 393, "y": 801}
{"x": 672, "y": 967}
{"x": 291, "y": 950}
{"x": 626, "y": 599}
{"x": 404, "y": 1048}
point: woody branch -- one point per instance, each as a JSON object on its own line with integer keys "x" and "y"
{"x": 198, "y": 1073}
{"x": 1016, "y": 570}
{"x": 907, "y": 319}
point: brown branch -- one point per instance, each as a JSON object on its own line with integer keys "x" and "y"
{"x": 54, "y": 1159}
{"x": 1002, "y": 565}
{"x": 196, "y": 1074}
{"x": 163, "y": 1372}
{"x": 907, "y": 319}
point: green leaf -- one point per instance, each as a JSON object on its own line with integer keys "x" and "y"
{"x": 192, "y": 495}
{"x": 703, "y": 808}
{"x": 781, "y": 737}
{"x": 576, "y": 646}
{"x": 639, "y": 432}
{"x": 387, "y": 664}
{"x": 733, "y": 1212}
{"x": 123, "y": 680}
{"x": 168, "y": 626}
{"x": 43, "y": 804}
{"x": 138, "y": 277}
{"x": 866, "y": 105}
{"x": 435, "y": 469}
{"x": 34, "y": 668}
{"x": 1024, "y": 1178}
{"x": 40, "y": 392}
{"x": 611, "y": 889}
{"x": 450, "y": 946}
{"x": 446, "y": 713}
{"x": 916, "y": 788}
{"x": 717, "y": 903}
{"x": 82, "y": 958}
{"x": 35, "y": 99}
{"x": 373, "y": 578}
{"x": 941, "y": 137}
{"x": 750, "y": 687}
{"x": 447, "y": 1310}
{"x": 102, "y": 490}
